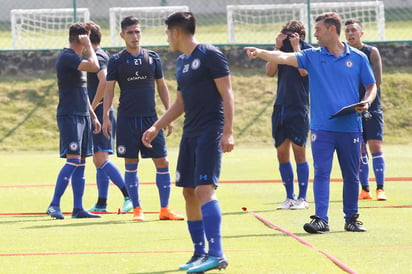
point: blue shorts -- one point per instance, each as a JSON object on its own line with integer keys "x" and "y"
{"x": 100, "y": 142}
{"x": 75, "y": 135}
{"x": 199, "y": 160}
{"x": 291, "y": 122}
{"x": 129, "y": 138}
{"x": 373, "y": 128}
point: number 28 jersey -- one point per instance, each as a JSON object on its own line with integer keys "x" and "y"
{"x": 196, "y": 76}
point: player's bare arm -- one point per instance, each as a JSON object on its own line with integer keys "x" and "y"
{"x": 107, "y": 103}
{"x": 164, "y": 95}
{"x": 376, "y": 64}
{"x": 271, "y": 67}
{"x": 279, "y": 57}
{"x": 169, "y": 116}
{"x": 97, "y": 100}
{"x": 95, "y": 121}
{"x": 295, "y": 42}
{"x": 91, "y": 64}
{"x": 224, "y": 86}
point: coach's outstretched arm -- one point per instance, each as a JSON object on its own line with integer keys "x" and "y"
{"x": 279, "y": 57}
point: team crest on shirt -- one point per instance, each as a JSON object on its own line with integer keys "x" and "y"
{"x": 73, "y": 146}
{"x": 313, "y": 137}
{"x": 196, "y": 64}
{"x": 121, "y": 149}
{"x": 349, "y": 64}
{"x": 177, "y": 176}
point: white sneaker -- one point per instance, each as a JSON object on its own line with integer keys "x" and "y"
{"x": 287, "y": 204}
{"x": 300, "y": 204}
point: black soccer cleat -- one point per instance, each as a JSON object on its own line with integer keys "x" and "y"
{"x": 353, "y": 225}
{"x": 316, "y": 225}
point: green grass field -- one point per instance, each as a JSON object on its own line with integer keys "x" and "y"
{"x": 115, "y": 244}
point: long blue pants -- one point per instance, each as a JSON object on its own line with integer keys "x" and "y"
{"x": 347, "y": 147}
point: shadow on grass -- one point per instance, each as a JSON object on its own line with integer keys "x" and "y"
{"x": 81, "y": 223}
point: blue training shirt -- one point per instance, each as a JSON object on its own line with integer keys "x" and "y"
{"x": 73, "y": 97}
{"x": 136, "y": 75}
{"x": 334, "y": 83}
{"x": 195, "y": 76}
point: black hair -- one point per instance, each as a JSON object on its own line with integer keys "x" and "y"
{"x": 183, "y": 20}
{"x": 129, "y": 21}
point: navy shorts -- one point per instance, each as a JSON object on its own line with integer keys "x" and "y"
{"x": 373, "y": 128}
{"x": 75, "y": 135}
{"x": 289, "y": 122}
{"x": 100, "y": 142}
{"x": 199, "y": 160}
{"x": 129, "y": 138}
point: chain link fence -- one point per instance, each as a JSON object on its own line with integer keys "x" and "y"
{"x": 43, "y": 24}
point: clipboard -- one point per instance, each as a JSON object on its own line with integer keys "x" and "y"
{"x": 347, "y": 109}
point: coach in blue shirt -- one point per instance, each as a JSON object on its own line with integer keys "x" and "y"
{"x": 335, "y": 72}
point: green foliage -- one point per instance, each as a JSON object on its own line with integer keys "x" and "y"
{"x": 29, "y": 107}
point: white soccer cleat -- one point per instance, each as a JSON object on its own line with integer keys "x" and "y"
{"x": 300, "y": 204}
{"x": 287, "y": 204}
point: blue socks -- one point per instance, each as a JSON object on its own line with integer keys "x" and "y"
{"x": 63, "y": 180}
{"x": 132, "y": 183}
{"x": 378, "y": 163}
{"x": 212, "y": 219}
{"x": 302, "y": 171}
{"x": 379, "y": 169}
{"x": 163, "y": 185}
{"x": 78, "y": 184}
{"x": 102, "y": 185}
{"x": 198, "y": 236}
{"x": 286, "y": 172}
{"x": 364, "y": 171}
{"x": 113, "y": 173}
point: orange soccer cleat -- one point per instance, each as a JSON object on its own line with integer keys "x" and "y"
{"x": 365, "y": 195}
{"x": 138, "y": 214}
{"x": 167, "y": 214}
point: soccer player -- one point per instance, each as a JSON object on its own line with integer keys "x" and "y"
{"x": 290, "y": 117}
{"x": 74, "y": 118}
{"x": 205, "y": 95}
{"x": 138, "y": 71}
{"x": 102, "y": 147}
{"x": 372, "y": 127}
{"x": 335, "y": 72}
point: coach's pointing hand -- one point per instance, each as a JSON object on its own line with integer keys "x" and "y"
{"x": 252, "y": 52}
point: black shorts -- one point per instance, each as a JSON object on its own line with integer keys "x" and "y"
{"x": 290, "y": 122}
{"x": 129, "y": 138}
{"x": 100, "y": 142}
{"x": 75, "y": 135}
{"x": 373, "y": 128}
{"x": 199, "y": 159}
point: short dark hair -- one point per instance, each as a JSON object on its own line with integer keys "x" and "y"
{"x": 330, "y": 19}
{"x": 184, "y": 20}
{"x": 129, "y": 21}
{"x": 294, "y": 26}
{"x": 77, "y": 29}
{"x": 353, "y": 21}
{"x": 95, "y": 32}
